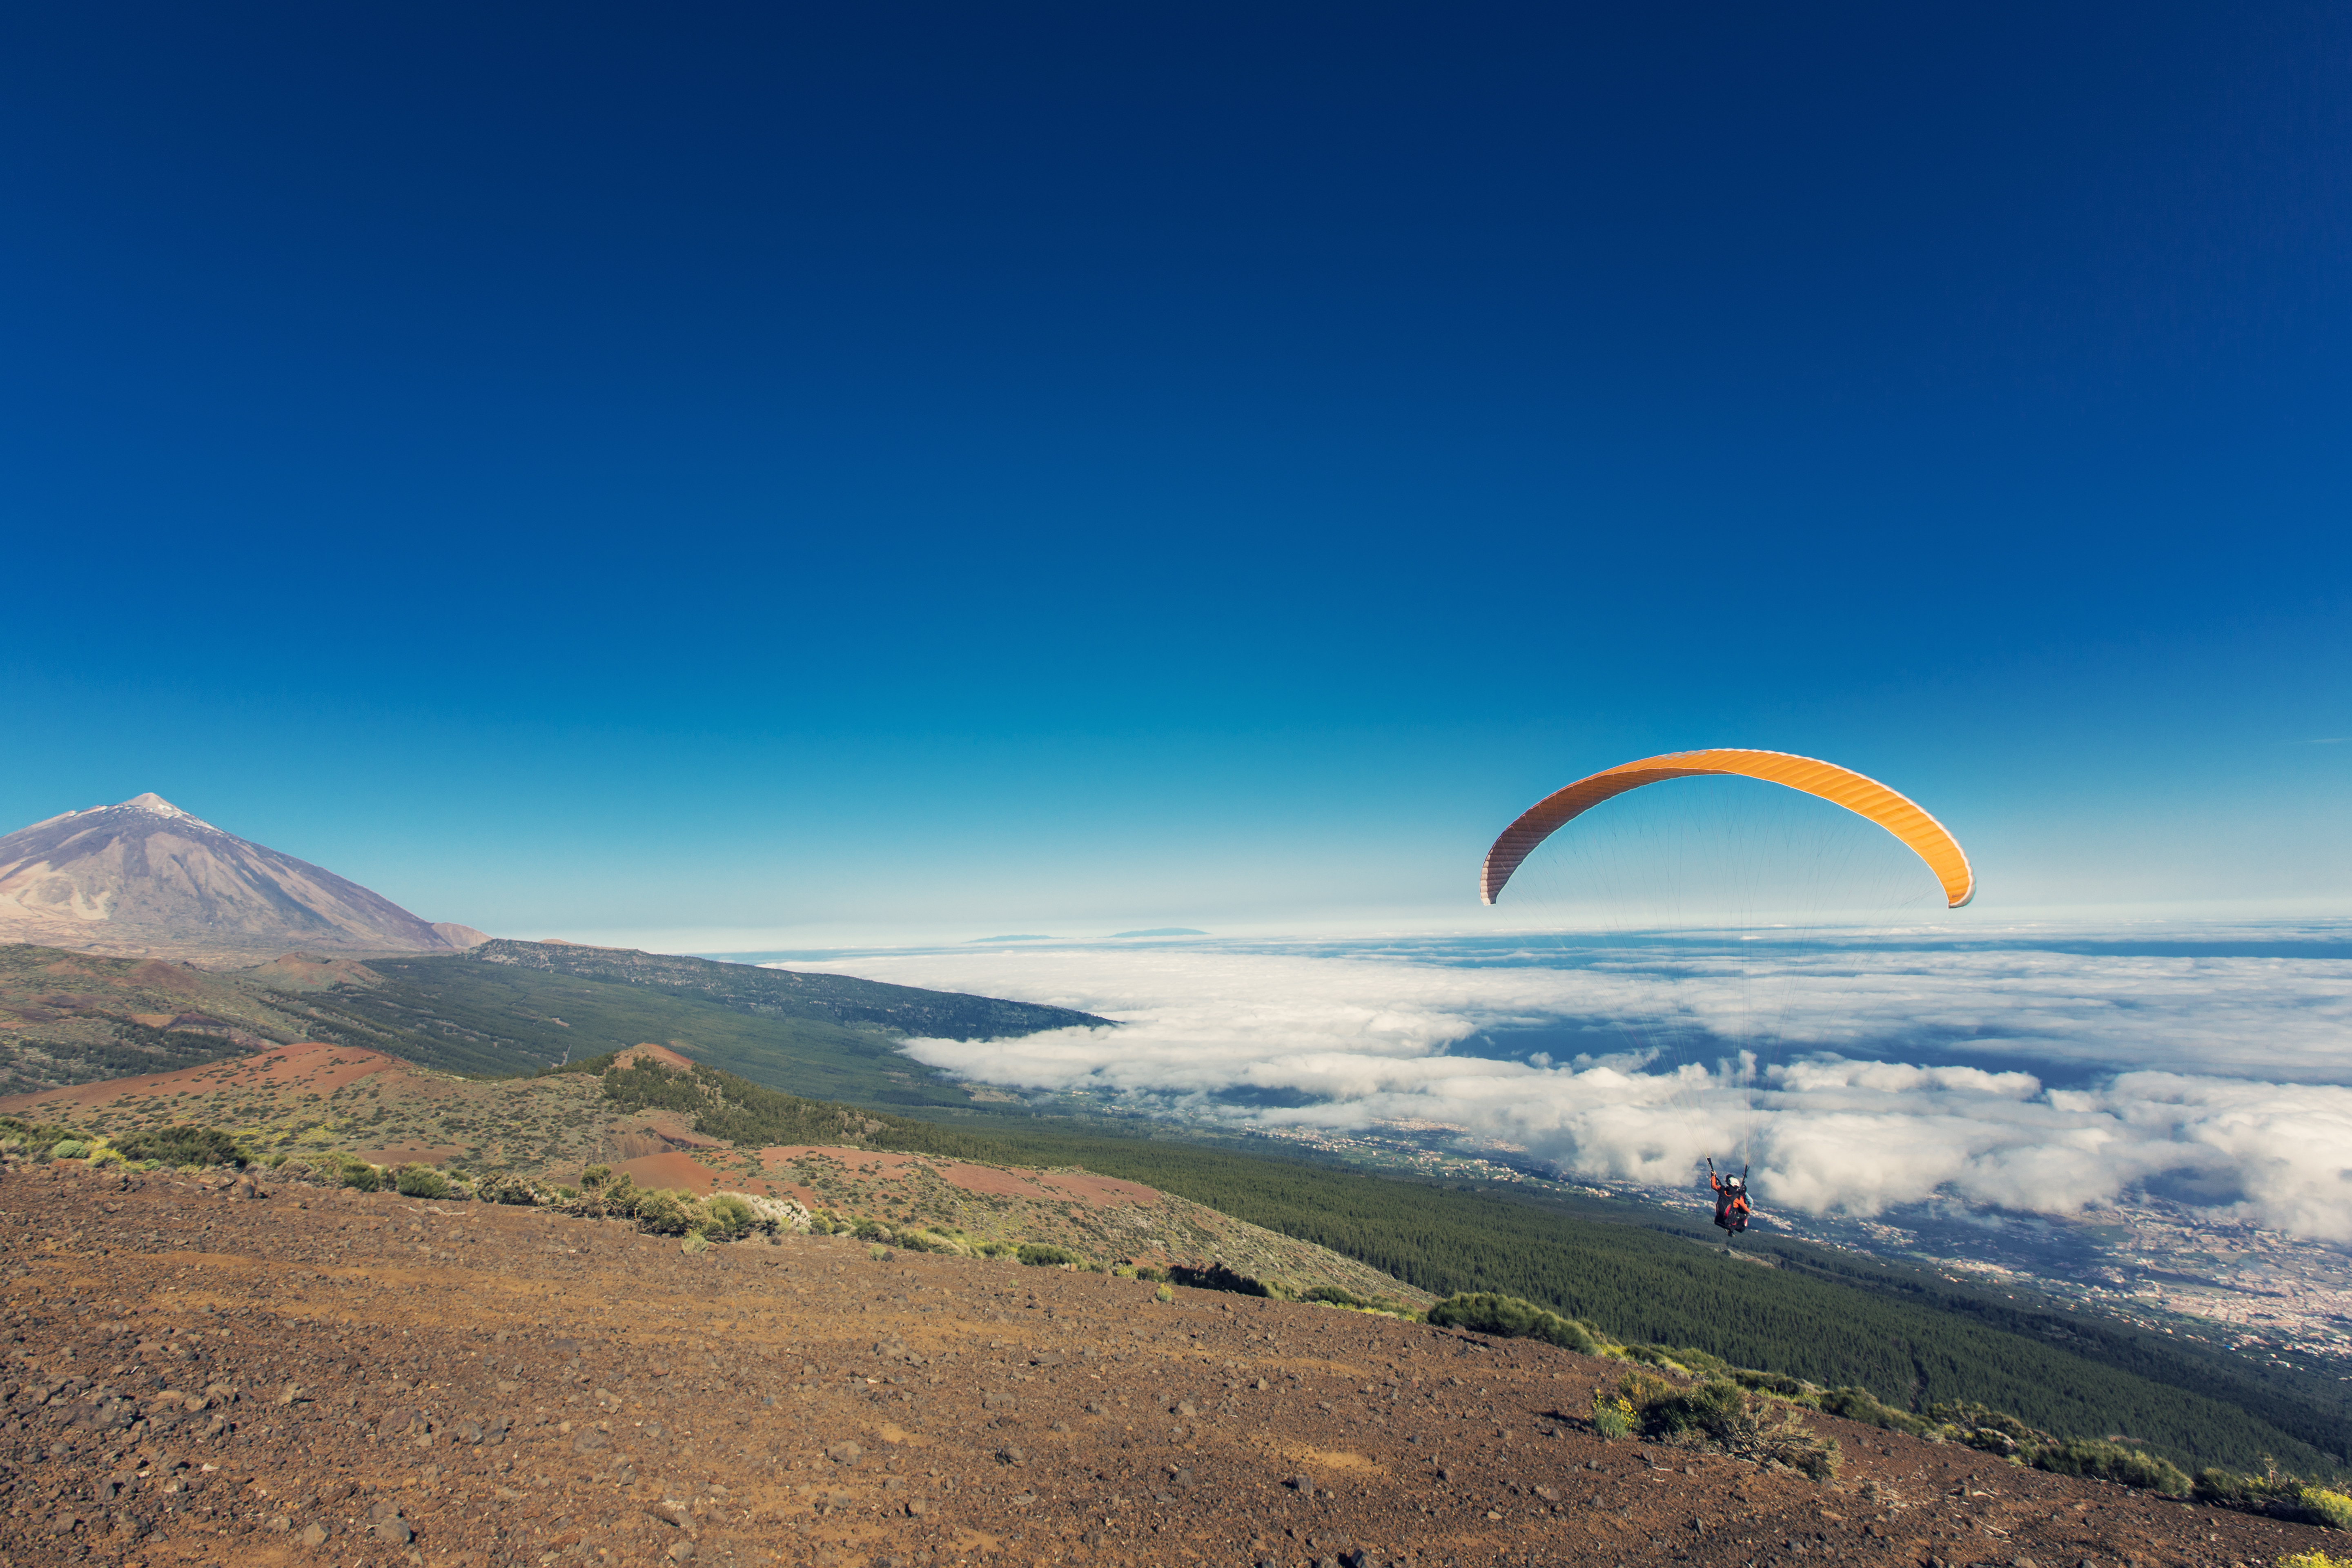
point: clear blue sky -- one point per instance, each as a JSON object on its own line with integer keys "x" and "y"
{"x": 1060, "y": 467}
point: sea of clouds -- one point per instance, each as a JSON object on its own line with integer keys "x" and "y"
{"x": 1855, "y": 1077}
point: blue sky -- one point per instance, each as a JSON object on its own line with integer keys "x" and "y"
{"x": 761, "y": 474}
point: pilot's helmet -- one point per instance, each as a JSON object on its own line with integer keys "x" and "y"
{"x": 1734, "y": 1183}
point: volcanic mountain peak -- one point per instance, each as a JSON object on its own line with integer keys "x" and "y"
{"x": 145, "y": 870}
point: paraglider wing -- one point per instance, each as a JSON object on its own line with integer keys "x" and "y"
{"x": 1865, "y": 797}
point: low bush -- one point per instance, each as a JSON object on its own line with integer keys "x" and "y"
{"x": 2277, "y": 1494}
{"x": 2112, "y": 1462}
{"x": 185, "y": 1145}
{"x": 1215, "y": 1277}
{"x": 595, "y": 1176}
{"x": 1332, "y": 1296}
{"x": 1612, "y": 1415}
{"x": 1720, "y": 1417}
{"x": 666, "y": 1213}
{"x": 870, "y": 1229}
{"x": 37, "y": 1136}
{"x": 414, "y": 1180}
{"x": 1045, "y": 1255}
{"x": 2313, "y": 1560}
{"x": 726, "y": 1217}
{"x": 948, "y": 1243}
{"x": 616, "y": 1195}
{"x": 511, "y": 1190}
{"x": 1852, "y": 1403}
{"x": 360, "y": 1176}
{"x": 1511, "y": 1318}
{"x": 67, "y": 1149}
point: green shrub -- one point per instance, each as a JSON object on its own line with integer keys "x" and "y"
{"x": 37, "y": 1136}
{"x": 414, "y": 1180}
{"x": 2332, "y": 1508}
{"x": 2276, "y": 1493}
{"x": 1163, "y": 1295}
{"x": 1686, "y": 1359}
{"x": 694, "y": 1242}
{"x": 1215, "y": 1277}
{"x": 870, "y": 1229}
{"x": 726, "y": 1217}
{"x": 619, "y": 1195}
{"x": 926, "y": 1241}
{"x": 878, "y": 1253}
{"x": 2113, "y": 1462}
{"x": 1719, "y": 1415}
{"x": 1613, "y": 1416}
{"x": 1045, "y": 1255}
{"x": 185, "y": 1145}
{"x": 511, "y": 1190}
{"x": 362, "y": 1177}
{"x": 2313, "y": 1560}
{"x": 595, "y": 1176}
{"x": 1852, "y": 1403}
{"x": 1510, "y": 1318}
{"x": 666, "y": 1213}
{"x": 67, "y": 1149}
{"x": 1331, "y": 1295}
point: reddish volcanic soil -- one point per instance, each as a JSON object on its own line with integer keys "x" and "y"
{"x": 320, "y": 1377}
{"x": 309, "y": 1067}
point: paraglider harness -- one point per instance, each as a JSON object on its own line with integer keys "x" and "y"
{"x": 1730, "y": 1198}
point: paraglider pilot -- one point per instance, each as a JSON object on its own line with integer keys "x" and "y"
{"x": 1730, "y": 1199}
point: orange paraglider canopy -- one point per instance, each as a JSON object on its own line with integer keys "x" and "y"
{"x": 1865, "y": 797}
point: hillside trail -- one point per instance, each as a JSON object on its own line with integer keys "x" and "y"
{"x": 320, "y": 1377}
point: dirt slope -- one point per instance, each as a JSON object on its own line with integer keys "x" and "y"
{"x": 320, "y": 1378}
{"x": 305, "y": 1098}
{"x": 310, "y": 1096}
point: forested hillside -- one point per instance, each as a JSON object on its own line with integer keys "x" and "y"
{"x": 902, "y": 1012}
{"x": 1834, "y": 1318}
{"x": 466, "y": 1014}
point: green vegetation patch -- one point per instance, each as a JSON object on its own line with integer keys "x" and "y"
{"x": 185, "y": 1145}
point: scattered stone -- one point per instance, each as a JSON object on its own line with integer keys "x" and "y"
{"x": 844, "y": 1453}
{"x": 997, "y": 1399}
{"x": 313, "y": 1535}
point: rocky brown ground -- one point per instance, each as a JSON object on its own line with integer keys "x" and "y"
{"x": 323, "y": 1377}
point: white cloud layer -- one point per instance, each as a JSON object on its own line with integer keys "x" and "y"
{"x": 2175, "y": 1064}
